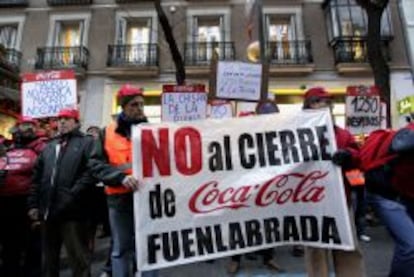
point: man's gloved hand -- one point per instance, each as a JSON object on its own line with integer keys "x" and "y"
{"x": 342, "y": 158}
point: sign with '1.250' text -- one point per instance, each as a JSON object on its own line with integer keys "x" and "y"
{"x": 215, "y": 188}
{"x": 44, "y": 94}
{"x": 183, "y": 103}
{"x": 363, "y": 109}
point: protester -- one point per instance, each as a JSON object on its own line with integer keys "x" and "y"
{"x": 18, "y": 240}
{"x": 116, "y": 172}
{"x": 60, "y": 196}
{"x": 346, "y": 263}
{"x": 395, "y": 205}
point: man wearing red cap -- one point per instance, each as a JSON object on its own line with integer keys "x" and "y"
{"x": 16, "y": 236}
{"x": 346, "y": 263}
{"x": 116, "y": 174}
{"x": 61, "y": 195}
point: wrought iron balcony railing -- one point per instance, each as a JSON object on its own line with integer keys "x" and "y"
{"x": 292, "y": 52}
{"x": 62, "y": 57}
{"x": 201, "y": 53}
{"x": 132, "y": 55}
{"x": 68, "y": 2}
{"x": 354, "y": 50}
{"x": 13, "y": 3}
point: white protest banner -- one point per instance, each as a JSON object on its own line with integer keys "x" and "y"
{"x": 363, "y": 109}
{"x": 237, "y": 80}
{"x": 219, "y": 109}
{"x": 45, "y": 94}
{"x": 215, "y": 188}
{"x": 183, "y": 103}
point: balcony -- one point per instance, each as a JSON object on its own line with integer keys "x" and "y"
{"x": 292, "y": 57}
{"x": 68, "y": 2}
{"x": 133, "y": 60}
{"x": 198, "y": 55}
{"x": 63, "y": 58}
{"x": 11, "y": 60}
{"x": 13, "y": 3}
{"x": 351, "y": 54}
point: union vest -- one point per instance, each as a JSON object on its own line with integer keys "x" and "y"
{"x": 119, "y": 151}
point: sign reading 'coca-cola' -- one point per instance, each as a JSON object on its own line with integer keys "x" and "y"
{"x": 218, "y": 188}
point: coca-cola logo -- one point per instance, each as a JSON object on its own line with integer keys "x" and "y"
{"x": 281, "y": 189}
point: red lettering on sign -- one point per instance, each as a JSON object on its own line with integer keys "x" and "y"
{"x": 302, "y": 188}
{"x": 160, "y": 153}
{"x": 188, "y": 140}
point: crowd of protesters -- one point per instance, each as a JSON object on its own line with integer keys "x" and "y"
{"x": 57, "y": 185}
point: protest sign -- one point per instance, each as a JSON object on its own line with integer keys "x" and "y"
{"x": 45, "y": 94}
{"x": 237, "y": 80}
{"x": 183, "y": 103}
{"x": 215, "y": 188}
{"x": 363, "y": 109}
{"x": 220, "y": 109}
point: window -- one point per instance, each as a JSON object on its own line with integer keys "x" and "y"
{"x": 11, "y": 31}
{"x": 284, "y": 33}
{"x": 8, "y": 35}
{"x": 69, "y": 30}
{"x": 208, "y": 32}
{"x": 345, "y": 18}
{"x": 135, "y": 32}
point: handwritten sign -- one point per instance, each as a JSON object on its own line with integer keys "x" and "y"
{"x": 219, "y": 109}
{"x": 363, "y": 110}
{"x": 183, "y": 103}
{"x": 45, "y": 94}
{"x": 237, "y": 80}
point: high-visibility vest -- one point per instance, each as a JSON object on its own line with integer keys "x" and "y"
{"x": 355, "y": 177}
{"x": 119, "y": 151}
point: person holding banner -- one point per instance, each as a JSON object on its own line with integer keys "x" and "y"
{"x": 61, "y": 194}
{"x": 346, "y": 263}
{"x": 111, "y": 164}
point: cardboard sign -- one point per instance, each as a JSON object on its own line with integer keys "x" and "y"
{"x": 45, "y": 94}
{"x": 363, "y": 110}
{"x": 218, "y": 109}
{"x": 216, "y": 188}
{"x": 183, "y": 103}
{"x": 237, "y": 80}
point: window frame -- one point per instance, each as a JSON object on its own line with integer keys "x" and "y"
{"x": 121, "y": 18}
{"x": 57, "y": 18}
{"x": 18, "y": 20}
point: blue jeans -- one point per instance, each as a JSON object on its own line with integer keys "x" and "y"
{"x": 121, "y": 219}
{"x": 398, "y": 217}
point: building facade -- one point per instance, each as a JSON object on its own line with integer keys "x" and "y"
{"x": 112, "y": 42}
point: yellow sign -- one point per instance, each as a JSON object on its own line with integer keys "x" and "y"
{"x": 406, "y": 105}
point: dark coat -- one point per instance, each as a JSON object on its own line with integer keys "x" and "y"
{"x": 62, "y": 185}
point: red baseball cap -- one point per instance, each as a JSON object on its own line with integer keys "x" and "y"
{"x": 26, "y": 119}
{"x": 128, "y": 90}
{"x": 69, "y": 113}
{"x": 317, "y": 92}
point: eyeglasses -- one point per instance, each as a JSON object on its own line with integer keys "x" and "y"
{"x": 318, "y": 100}
{"x": 26, "y": 126}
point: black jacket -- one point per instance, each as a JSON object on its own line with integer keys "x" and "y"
{"x": 62, "y": 185}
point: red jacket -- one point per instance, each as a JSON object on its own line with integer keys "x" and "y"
{"x": 345, "y": 140}
{"x": 19, "y": 165}
{"x": 403, "y": 168}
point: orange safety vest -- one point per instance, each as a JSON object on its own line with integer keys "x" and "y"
{"x": 355, "y": 177}
{"x": 119, "y": 151}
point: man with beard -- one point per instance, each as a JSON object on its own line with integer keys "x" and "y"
{"x": 114, "y": 169}
{"x": 17, "y": 237}
{"x": 61, "y": 195}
